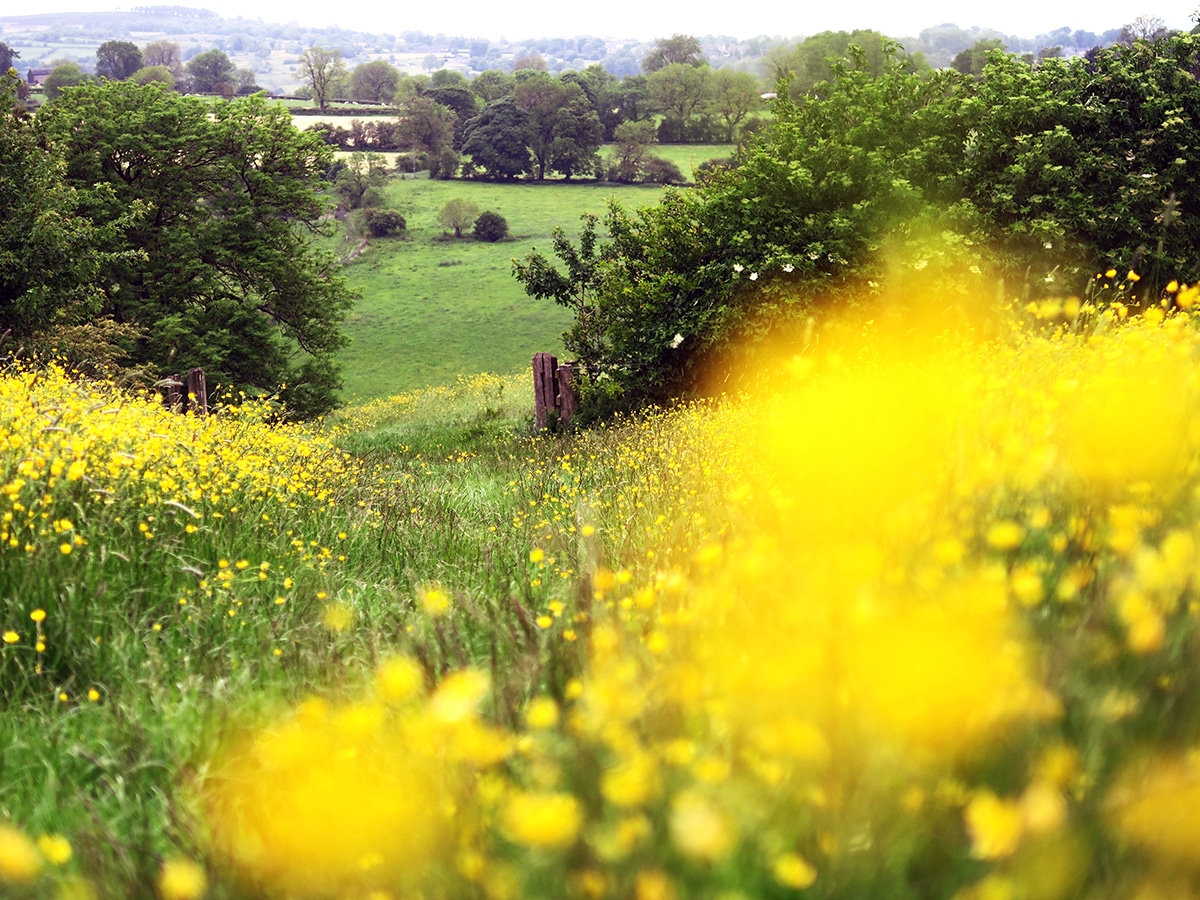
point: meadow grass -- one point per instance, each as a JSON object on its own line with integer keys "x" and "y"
{"x": 925, "y": 630}
{"x": 433, "y": 307}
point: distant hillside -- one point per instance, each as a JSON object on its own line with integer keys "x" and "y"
{"x": 271, "y": 49}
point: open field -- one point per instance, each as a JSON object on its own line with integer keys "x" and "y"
{"x": 948, "y": 600}
{"x": 432, "y": 309}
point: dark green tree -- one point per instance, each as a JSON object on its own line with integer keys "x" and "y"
{"x": 8, "y": 57}
{"x": 215, "y": 224}
{"x": 973, "y": 60}
{"x": 212, "y": 72}
{"x": 679, "y": 49}
{"x": 495, "y": 140}
{"x": 374, "y": 82}
{"x": 491, "y": 227}
{"x": 734, "y": 95}
{"x": 48, "y": 256}
{"x": 492, "y": 85}
{"x": 117, "y": 60}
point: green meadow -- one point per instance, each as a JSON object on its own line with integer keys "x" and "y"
{"x": 433, "y": 307}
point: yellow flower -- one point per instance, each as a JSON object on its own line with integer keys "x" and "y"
{"x": 56, "y": 848}
{"x": 181, "y": 879}
{"x": 93, "y": 695}
{"x": 544, "y": 821}
{"x": 792, "y": 870}
{"x": 995, "y": 826}
{"x": 20, "y": 861}
{"x": 11, "y": 637}
{"x": 536, "y": 555}
{"x": 38, "y": 615}
{"x": 435, "y": 601}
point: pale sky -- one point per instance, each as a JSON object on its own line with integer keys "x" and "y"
{"x": 493, "y": 19}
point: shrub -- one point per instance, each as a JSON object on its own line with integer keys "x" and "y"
{"x": 384, "y": 222}
{"x": 656, "y": 170}
{"x": 491, "y": 227}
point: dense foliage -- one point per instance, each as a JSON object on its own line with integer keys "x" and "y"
{"x": 1023, "y": 183}
{"x": 201, "y": 224}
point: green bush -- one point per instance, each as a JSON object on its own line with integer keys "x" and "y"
{"x": 383, "y": 222}
{"x": 491, "y": 227}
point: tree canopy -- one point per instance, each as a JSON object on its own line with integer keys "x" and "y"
{"x": 1028, "y": 181}
{"x": 212, "y": 221}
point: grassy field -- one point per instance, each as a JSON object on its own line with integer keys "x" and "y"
{"x": 433, "y": 308}
{"x": 928, "y": 633}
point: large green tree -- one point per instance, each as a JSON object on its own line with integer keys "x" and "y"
{"x": 215, "y": 218}
{"x": 48, "y": 258}
{"x": 212, "y": 72}
{"x": 117, "y": 60}
{"x": 320, "y": 70}
{"x": 495, "y": 140}
{"x": 678, "y": 49}
{"x": 374, "y": 82}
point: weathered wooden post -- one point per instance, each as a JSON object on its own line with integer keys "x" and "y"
{"x": 197, "y": 392}
{"x": 567, "y": 402}
{"x": 545, "y": 389}
{"x": 174, "y": 385}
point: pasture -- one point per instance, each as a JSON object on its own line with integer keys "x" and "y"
{"x": 433, "y": 307}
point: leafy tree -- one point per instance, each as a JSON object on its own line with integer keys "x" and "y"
{"x": 361, "y": 173}
{"x": 48, "y": 253}
{"x": 679, "y": 49}
{"x": 8, "y": 57}
{"x": 531, "y": 62}
{"x": 458, "y": 214}
{"x": 631, "y": 142}
{"x": 679, "y": 90}
{"x": 461, "y": 101}
{"x": 164, "y": 53}
{"x": 491, "y": 227}
{"x": 214, "y": 227}
{"x": 117, "y": 60}
{"x": 814, "y": 60}
{"x": 495, "y": 139}
{"x": 973, "y": 60}
{"x": 374, "y": 82}
{"x": 425, "y": 126}
{"x": 211, "y": 72}
{"x": 1143, "y": 28}
{"x": 62, "y": 77}
{"x": 561, "y": 129}
{"x": 147, "y": 74}
{"x": 733, "y": 96}
{"x": 319, "y": 71}
{"x": 492, "y": 85}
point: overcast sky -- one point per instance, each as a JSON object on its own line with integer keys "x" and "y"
{"x": 494, "y": 19}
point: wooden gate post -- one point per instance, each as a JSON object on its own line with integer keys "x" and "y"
{"x": 197, "y": 392}
{"x": 567, "y": 402}
{"x": 174, "y": 386}
{"x": 545, "y": 390}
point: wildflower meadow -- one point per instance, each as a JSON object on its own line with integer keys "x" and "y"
{"x": 917, "y": 618}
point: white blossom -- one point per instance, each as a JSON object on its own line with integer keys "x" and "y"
{"x": 754, "y": 276}
{"x": 676, "y": 341}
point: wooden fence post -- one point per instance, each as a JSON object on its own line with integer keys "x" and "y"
{"x": 545, "y": 390}
{"x": 174, "y": 386}
{"x": 197, "y": 392}
{"x": 567, "y": 402}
